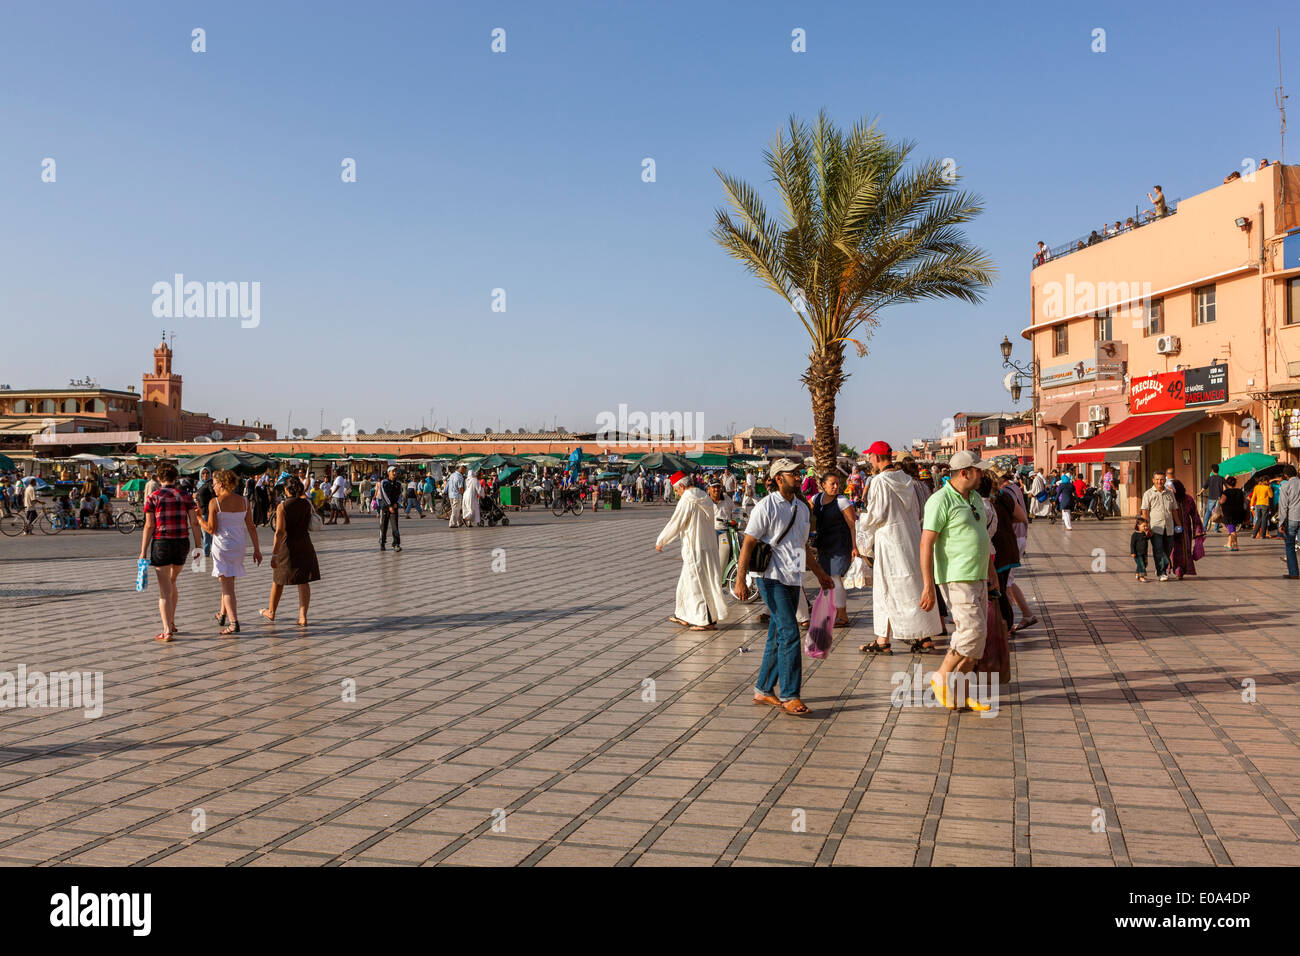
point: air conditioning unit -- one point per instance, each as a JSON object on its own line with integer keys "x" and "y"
{"x": 1168, "y": 345}
{"x": 1098, "y": 414}
{"x": 1085, "y": 430}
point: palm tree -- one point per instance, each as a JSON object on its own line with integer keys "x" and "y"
{"x": 858, "y": 232}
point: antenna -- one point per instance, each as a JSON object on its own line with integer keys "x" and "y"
{"x": 1280, "y": 98}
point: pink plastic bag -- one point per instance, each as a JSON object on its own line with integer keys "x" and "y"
{"x": 820, "y": 625}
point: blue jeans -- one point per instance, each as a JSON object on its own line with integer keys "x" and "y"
{"x": 1162, "y": 546}
{"x": 782, "y": 655}
{"x": 207, "y": 544}
{"x": 1210, "y": 505}
{"x": 1289, "y": 534}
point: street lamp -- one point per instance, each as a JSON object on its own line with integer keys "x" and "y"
{"x": 1013, "y": 381}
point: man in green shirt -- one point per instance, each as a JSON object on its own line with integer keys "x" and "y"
{"x": 957, "y": 554}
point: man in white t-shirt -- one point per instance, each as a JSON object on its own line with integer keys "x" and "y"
{"x": 782, "y": 521}
{"x": 339, "y": 496}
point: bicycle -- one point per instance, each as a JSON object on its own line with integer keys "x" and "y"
{"x": 567, "y": 500}
{"x": 729, "y": 572}
{"x": 127, "y": 521}
{"x": 28, "y": 520}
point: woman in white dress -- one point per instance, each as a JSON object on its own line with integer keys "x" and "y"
{"x": 231, "y": 525}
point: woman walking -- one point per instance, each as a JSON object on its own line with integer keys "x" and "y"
{"x": 834, "y": 522}
{"x": 1189, "y": 534}
{"x": 261, "y": 501}
{"x": 230, "y": 524}
{"x": 1233, "y": 506}
{"x": 293, "y": 558}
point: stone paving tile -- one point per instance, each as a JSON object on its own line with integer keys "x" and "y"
{"x": 1126, "y": 707}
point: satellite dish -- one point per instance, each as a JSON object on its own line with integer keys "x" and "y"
{"x": 252, "y": 436}
{"x": 1008, "y": 380}
{"x": 204, "y": 438}
{"x": 216, "y": 436}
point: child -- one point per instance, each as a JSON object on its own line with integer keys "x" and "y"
{"x": 1138, "y": 546}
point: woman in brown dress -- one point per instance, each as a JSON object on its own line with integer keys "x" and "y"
{"x": 293, "y": 559}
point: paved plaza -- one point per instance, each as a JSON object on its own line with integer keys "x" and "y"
{"x": 507, "y": 717}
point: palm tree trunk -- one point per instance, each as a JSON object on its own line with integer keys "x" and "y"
{"x": 824, "y": 378}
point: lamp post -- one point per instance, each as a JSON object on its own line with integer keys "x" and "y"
{"x": 1020, "y": 374}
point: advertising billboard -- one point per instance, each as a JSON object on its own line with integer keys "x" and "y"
{"x": 1176, "y": 391}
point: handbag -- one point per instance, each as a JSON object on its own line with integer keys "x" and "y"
{"x": 314, "y": 522}
{"x": 762, "y": 556}
{"x": 997, "y": 652}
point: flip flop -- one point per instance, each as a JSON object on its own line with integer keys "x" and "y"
{"x": 163, "y": 638}
{"x": 771, "y": 699}
{"x": 1024, "y": 624}
{"x": 795, "y": 707}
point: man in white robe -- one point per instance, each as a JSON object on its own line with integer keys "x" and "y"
{"x": 469, "y": 508}
{"x": 700, "y": 602}
{"x": 455, "y": 492}
{"x": 1039, "y": 509}
{"x": 889, "y": 532}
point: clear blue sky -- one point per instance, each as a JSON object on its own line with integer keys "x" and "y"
{"x": 522, "y": 171}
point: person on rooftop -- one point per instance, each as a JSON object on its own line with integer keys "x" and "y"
{"x": 1158, "y": 201}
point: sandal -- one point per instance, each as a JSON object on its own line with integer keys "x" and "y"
{"x": 704, "y": 627}
{"x": 771, "y": 699}
{"x": 221, "y": 618}
{"x": 794, "y": 706}
{"x": 1025, "y": 623}
{"x": 843, "y": 624}
{"x": 164, "y": 638}
{"x": 233, "y": 628}
{"x": 876, "y": 648}
{"x": 918, "y": 646}
{"x": 266, "y": 613}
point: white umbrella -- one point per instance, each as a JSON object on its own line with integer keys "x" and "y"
{"x": 97, "y": 460}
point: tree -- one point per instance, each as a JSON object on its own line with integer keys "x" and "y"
{"x": 858, "y": 232}
{"x": 848, "y": 451}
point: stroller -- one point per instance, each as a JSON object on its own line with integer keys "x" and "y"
{"x": 491, "y": 512}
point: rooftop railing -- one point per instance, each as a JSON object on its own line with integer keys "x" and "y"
{"x": 1140, "y": 219}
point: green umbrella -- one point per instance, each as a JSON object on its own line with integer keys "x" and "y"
{"x": 240, "y": 462}
{"x": 668, "y": 463}
{"x": 498, "y": 461}
{"x": 135, "y": 484}
{"x": 1250, "y": 461}
{"x": 707, "y": 459}
{"x": 548, "y": 461}
{"x": 6, "y": 462}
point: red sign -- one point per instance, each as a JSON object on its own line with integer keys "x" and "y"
{"x": 1175, "y": 391}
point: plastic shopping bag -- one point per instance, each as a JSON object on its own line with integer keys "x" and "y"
{"x": 997, "y": 651}
{"x": 821, "y": 626}
{"x": 141, "y": 574}
{"x": 856, "y": 576}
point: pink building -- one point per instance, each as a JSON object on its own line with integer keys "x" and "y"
{"x": 1176, "y": 342}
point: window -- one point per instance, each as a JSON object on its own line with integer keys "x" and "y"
{"x": 1293, "y": 302}
{"x": 1060, "y": 340}
{"x": 46, "y": 406}
{"x": 1204, "y": 305}
{"x": 1156, "y": 317}
{"x": 95, "y": 405}
{"x": 1104, "y": 326}
{"x": 70, "y": 406}
{"x": 22, "y": 407}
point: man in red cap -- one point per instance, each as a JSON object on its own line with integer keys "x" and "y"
{"x": 700, "y": 603}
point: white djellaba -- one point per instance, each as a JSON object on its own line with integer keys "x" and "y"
{"x": 699, "y": 589}
{"x": 889, "y": 530}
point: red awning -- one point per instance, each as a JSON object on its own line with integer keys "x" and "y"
{"x": 1125, "y": 441}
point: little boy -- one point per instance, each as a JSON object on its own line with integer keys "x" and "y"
{"x": 1138, "y": 546}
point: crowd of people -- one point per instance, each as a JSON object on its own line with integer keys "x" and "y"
{"x": 940, "y": 545}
